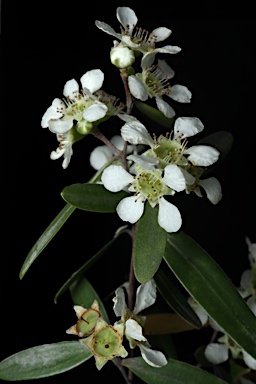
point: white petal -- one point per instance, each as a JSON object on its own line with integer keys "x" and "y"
{"x": 130, "y": 209}
{"x": 165, "y": 108}
{"x": 148, "y": 59}
{"x": 188, "y": 177}
{"x": 180, "y": 93}
{"x": 71, "y": 89}
{"x": 187, "y": 126}
{"x": 100, "y": 156}
{"x": 167, "y": 70}
{"x": 201, "y": 313}
{"x": 106, "y": 28}
{"x": 161, "y": 33}
{"x": 169, "y": 217}
{"x": 212, "y": 188}
{"x": 252, "y": 304}
{"x": 119, "y": 302}
{"x": 152, "y": 357}
{"x": 95, "y": 112}
{"x": 118, "y": 142}
{"x": 172, "y": 49}
{"x": 60, "y": 126}
{"x": 57, "y": 154}
{"x": 137, "y": 88}
{"x": 67, "y": 156}
{"x": 134, "y": 330}
{"x": 216, "y": 353}
{"x": 135, "y": 133}
{"x": 145, "y": 296}
{"x": 115, "y": 178}
{"x": 249, "y": 360}
{"x": 127, "y": 17}
{"x": 145, "y": 162}
{"x": 92, "y": 80}
{"x": 174, "y": 178}
{"x": 52, "y": 113}
{"x": 246, "y": 279}
{"x": 202, "y": 155}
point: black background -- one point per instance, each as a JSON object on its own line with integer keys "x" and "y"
{"x": 44, "y": 44}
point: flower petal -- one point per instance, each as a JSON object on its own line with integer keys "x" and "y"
{"x": 249, "y": 360}
{"x": 169, "y": 217}
{"x": 134, "y": 330}
{"x": 145, "y": 162}
{"x": 127, "y": 17}
{"x": 202, "y": 155}
{"x": 100, "y": 156}
{"x": 152, "y": 357}
{"x": 180, "y": 93}
{"x": 216, "y": 353}
{"x": 161, "y": 33}
{"x": 115, "y": 178}
{"x": 71, "y": 89}
{"x": 167, "y": 70}
{"x": 130, "y": 209}
{"x": 174, "y": 178}
{"x": 165, "y": 108}
{"x": 95, "y": 112}
{"x": 106, "y": 28}
{"x": 52, "y": 112}
{"x": 212, "y": 188}
{"x": 137, "y": 88}
{"x": 60, "y": 126}
{"x": 187, "y": 126}
{"x": 92, "y": 80}
{"x": 135, "y": 133}
{"x": 145, "y": 296}
{"x": 119, "y": 302}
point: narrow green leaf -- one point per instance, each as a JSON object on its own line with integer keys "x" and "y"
{"x": 154, "y": 114}
{"x": 88, "y": 264}
{"x": 149, "y": 245}
{"x": 83, "y": 293}
{"x": 44, "y": 361}
{"x": 212, "y": 289}
{"x": 46, "y": 237}
{"x": 169, "y": 290}
{"x": 92, "y": 197}
{"x": 174, "y": 372}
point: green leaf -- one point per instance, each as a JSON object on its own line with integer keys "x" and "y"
{"x": 83, "y": 293}
{"x": 212, "y": 289}
{"x": 88, "y": 264}
{"x": 92, "y": 197}
{"x": 174, "y": 372}
{"x": 43, "y": 361}
{"x": 169, "y": 290}
{"x": 154, "y": 114}
{"x": 149, "y": 245}
{"x": 46, "y": 237}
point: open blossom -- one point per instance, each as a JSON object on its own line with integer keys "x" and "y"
{"x": 147, "y": 185}
{"x": 154, "y": 82}
{"x": 72, "y": 118}
{"x": 136, "y": 38}
{"x": 133, "y": 321}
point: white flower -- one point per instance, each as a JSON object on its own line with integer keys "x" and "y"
{"x": 145, "y": 297}
{"x": 172, "y": 149}
{"x": 83, "y": 108}
{"x": 218, "y": 353}
{"x": 154, "y": 82}
{"x": 121, "y": 56}
{"x": 137, "y": 39}
{"x": 147, "y": 185}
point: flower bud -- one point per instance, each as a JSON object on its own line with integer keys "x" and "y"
{"x": 122, "y": 57}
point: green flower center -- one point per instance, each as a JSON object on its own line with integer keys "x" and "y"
{"x": 75, "y": 110}
{"x": 170, "y": 151}
{"x": 106, "y": 342}
{"x": 87, "y": 322}
{"x": 150, "y": 185}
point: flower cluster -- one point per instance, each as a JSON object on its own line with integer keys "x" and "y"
{"x": 106, "y": 341}
{"x": 169, "y": 166}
